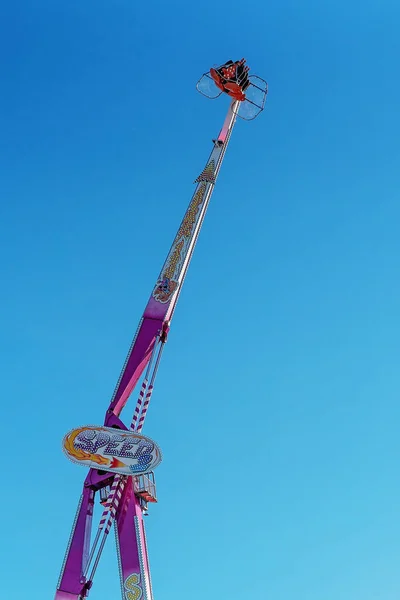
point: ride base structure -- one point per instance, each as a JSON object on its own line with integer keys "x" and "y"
{"x": 121, "y": 459}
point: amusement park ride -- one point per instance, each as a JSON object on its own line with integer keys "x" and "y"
{"x": 120, "y": 459}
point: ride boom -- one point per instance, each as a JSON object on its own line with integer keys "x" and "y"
{"x": 120, "y": 458}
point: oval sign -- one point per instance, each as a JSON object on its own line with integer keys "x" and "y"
{"x": 114, "y": 450}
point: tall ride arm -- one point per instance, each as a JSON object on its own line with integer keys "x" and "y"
{"x": 125, "y": 505}
{"x": 163, "y": 300}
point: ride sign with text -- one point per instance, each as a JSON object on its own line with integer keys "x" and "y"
{"x": 117, "y": 451}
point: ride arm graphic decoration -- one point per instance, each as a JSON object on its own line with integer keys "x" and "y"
{"x": 120, "y": 459}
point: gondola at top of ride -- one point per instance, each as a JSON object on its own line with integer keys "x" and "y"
{"x": 233, "y": 78}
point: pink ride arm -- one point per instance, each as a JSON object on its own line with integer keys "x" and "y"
{"x": 162, "y": 302}
{"x": 74, "y": 582}
{"x": 131, "y": 549}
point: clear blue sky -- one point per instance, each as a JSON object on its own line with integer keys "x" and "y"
{"x": 285, "y": 346}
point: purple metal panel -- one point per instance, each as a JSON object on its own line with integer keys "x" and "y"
{"x": 65, "y": 596}
{"x": 139, "y": 356}
{"x": 131, "y": 548}
{"x": 71, "y": 579}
